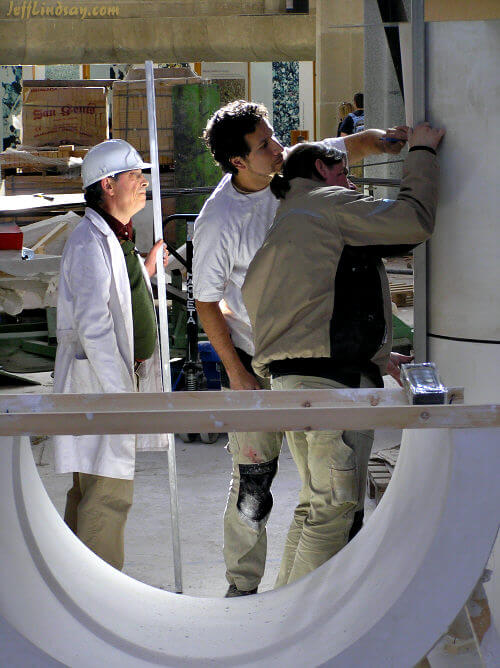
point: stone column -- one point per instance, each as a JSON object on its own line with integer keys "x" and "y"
{"x": 463, "y": 270}
{"x": 384, "y": 105}
{"x": 339, "y": 59}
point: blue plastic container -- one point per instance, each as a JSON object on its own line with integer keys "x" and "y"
{"x": 210, "y": 360}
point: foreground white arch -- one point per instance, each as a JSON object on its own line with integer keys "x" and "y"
{"x": 383, "y": 601}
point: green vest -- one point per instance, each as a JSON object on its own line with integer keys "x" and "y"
{"x": 143, "y": 310}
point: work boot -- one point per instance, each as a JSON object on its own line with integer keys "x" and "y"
{"x": 234, "y": 591}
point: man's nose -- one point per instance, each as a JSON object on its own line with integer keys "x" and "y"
{"x": 277, "y": 147}
{"x": 145, "y": 183}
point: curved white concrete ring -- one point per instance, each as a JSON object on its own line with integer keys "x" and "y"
{"x": 390, "y": 594}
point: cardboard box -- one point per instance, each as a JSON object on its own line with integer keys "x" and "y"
{"x": 130, "y": 115}
{"x": 55, "y": 116}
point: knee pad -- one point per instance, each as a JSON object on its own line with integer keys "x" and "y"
{"x": 254, "y": 498}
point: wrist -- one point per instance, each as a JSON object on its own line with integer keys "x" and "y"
{"x": 234, "y": 370}
{"x": 421, "y": 147}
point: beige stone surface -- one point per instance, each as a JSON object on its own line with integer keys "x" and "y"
{"x": 159, "y": 31}
{"x": 340, "y": 57}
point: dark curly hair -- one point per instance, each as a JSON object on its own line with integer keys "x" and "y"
{"x": 300, "y": 162}
{"x": 226, "y": 130}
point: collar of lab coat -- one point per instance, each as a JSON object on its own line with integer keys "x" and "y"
{"x": 98, "y": 221}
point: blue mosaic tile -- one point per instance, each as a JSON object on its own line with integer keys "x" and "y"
{"x": 10, "y": 80}
{"x": 285, "y": 99}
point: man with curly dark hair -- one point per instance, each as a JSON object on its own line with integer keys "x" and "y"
{"x": 228, "y": 232}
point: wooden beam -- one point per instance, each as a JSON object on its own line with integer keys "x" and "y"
{"x": 123, "y": 402}
{"x": 300, "y": 410}
{"x": 68, "y": 83}
{"x": 39, "y": 246}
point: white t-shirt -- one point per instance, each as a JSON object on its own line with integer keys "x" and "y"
{"x": 229, "y": 230}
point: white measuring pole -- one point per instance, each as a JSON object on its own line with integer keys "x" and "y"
{"x": 163, "y": 315}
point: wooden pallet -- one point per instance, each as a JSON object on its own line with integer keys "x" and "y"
{"x": 378, "y": 479}
{"x": 401, "y": 292}
{"x": 28, "y": 184}
{"x": 53, "y": 160}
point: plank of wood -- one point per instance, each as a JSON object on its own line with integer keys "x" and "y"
{"x": 227, "y": 411}
{"x": 28, "y": 184}
{"x": 39, "y": 246}
{"x": 264, "y": 399}
{"x": 402, "y": 298}
{"x": 68, "y": 83}
{"x": 375, "y": 488}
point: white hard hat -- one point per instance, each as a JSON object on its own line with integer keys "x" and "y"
{"x": 108, "y": 158}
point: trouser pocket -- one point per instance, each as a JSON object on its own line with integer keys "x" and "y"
{"x": 344, "y": 486}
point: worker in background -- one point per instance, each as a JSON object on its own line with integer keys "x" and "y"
{"x": 345, "y": 108}
{"x": 107, "y": 341}
{"x": 355, "y": 120}
{"x": 317, "y": 326}
{"x": 228, "y": 232}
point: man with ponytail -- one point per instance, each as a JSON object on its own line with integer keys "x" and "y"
{"x": 228, "y": 232}
{"x": 333, "y": 330}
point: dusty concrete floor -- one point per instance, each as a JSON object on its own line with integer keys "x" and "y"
{"x": 203, "y": 479}
{"x": 203, "y": 473}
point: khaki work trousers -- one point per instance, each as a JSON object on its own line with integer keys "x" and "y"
{"x": 96, "y": 511}
{"x": 333, "y": 467}
{"x": 245, "y": 542}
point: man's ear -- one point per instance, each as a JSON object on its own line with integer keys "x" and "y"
{"x": 106, "y": 185}
{"x": 321, "y": 168}
{"x": 238, "y": 162}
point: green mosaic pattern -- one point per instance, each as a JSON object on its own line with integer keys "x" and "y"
{"x": 193, "y": 104}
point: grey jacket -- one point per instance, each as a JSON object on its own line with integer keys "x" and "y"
{"x": 289, "y": 287}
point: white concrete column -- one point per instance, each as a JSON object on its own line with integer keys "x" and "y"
{"x": 339, "y": 59}
{"x": 463, "y": 269}
{"x": 463, "y": 262}
{"x": 306, "y": 97}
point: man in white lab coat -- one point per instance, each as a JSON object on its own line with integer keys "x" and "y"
{"x": 107, "y": 342}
